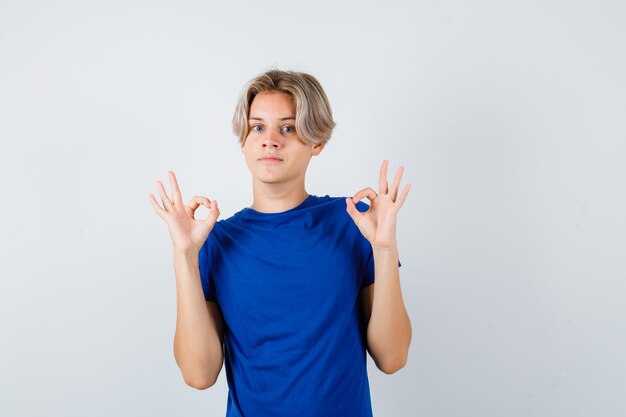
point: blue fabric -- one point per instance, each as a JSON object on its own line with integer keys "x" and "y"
{"x": 288, "y": 285}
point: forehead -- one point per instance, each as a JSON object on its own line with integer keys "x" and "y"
{"x": 272, "y": 105}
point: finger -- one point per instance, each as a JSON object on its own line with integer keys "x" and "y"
{"x": 156, "y": 206}
{"x": 405, "y": 192}
{"x": 177, "y": 197}
{"x": 197, "y": 201}
{"x": 393, "y": 191}
{"x": 354, "y": 213}
{"x": 214, "y": 213}
{"x": 382, "y": 178}
{"x": 366, "y": 192}
{"x": 167, "y": 204}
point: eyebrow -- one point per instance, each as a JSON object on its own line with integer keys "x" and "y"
{"x": 284, "y": 118}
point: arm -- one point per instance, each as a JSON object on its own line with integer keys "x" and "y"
{"x": 387, "y": 322}
{"x": 199, "y": 327}
{"x": 199, "y": 324}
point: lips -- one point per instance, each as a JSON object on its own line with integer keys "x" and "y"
{"x": 271, "y": 158}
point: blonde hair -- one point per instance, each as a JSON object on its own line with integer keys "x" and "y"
{"x": 314, "y": 118}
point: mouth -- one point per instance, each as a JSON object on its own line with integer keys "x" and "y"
{"x": 270, "y": 159}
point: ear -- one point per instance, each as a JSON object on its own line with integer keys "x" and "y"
{"x": 317, "y": 149}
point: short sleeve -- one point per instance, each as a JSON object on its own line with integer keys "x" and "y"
{"x": 205, "y": 273}
{"x": 368, "y": 275}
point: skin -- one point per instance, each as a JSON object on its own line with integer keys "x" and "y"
{"x": 388, "y": 324}
{"x": 278, "y": 187}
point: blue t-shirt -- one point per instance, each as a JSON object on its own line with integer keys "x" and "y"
{"x": 288, "y": 285}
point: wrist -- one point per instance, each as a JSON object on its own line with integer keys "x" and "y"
{"x": 385, "y": 252}
{"x": 186, "y": 256}
{"x": 387, "y": 246}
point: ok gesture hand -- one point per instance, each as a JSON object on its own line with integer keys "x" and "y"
{"x": 188, "y": 234}
{"x": 378, "y": 223}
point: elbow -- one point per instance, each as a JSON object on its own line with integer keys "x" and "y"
{"x": 392, "y": 368}
{"x": 394, "y": 365}
{"x": 200, "y": 376}
{"x": 398, "y": 360}
{"x": 199, "y": 379}
{"x": 200, "y": 383}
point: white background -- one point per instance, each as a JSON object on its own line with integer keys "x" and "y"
{"x": 507, "y": 116}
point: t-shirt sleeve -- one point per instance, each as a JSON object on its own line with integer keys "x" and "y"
{"x": 205, "y": 273}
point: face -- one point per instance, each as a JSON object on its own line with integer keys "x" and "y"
{"x": 272, "y": 132}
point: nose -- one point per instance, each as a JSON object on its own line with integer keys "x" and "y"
{"x": 271, "y": 139}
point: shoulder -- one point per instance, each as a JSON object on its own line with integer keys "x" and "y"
{"x": 340, "y": 201}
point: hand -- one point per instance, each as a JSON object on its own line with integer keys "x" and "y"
{"x": 378, "y": 223}
{"x": 188, "y": 234}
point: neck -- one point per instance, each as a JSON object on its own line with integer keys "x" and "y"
{"x": 272, "y": 198}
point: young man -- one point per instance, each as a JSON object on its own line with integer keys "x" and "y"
{"x": 283, "y": 291}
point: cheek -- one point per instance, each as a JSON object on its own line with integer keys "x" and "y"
{"x": 301, "y": 160}
{"x": 249, "y": 156}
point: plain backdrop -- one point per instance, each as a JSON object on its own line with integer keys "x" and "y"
{"x": 507, "y": 116}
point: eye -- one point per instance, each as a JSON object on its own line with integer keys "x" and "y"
{"x": 289, "y": 127}
{"x": 254, "y": 128}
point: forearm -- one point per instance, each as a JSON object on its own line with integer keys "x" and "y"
{"x": 197, "y": 346}
{"x": 389, "y": 327}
